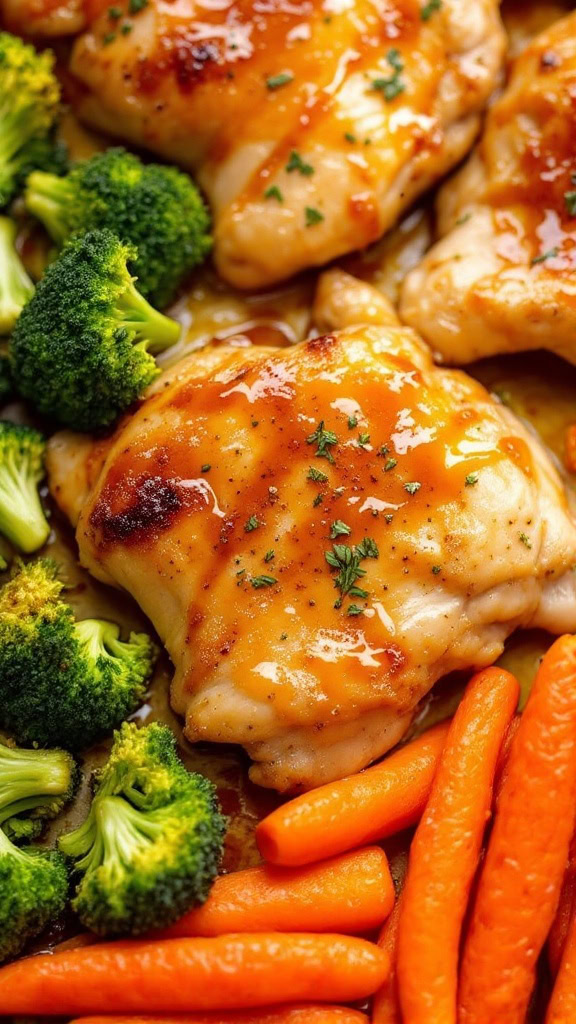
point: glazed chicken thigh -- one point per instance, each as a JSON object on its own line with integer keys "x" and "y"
{"x": 311, "y": 125}
{"x": 318, "y": 533}
{"x": 502, "y": 276}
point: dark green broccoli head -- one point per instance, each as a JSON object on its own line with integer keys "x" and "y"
{"x": 22, "y": 518}
{"x": 6, "y": 382}
{"x": 81, "y": 348}
{"x": 33, "y": 891}
{"x": 151, "y": 845}
{"x": 156, "y": 208}
{"x": 29, "y": 107}
{"x": 34, "y": 786}
{"x": 63, "y": 683}
{"x": 16, "y": 288}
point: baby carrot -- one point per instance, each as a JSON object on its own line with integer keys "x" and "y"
{"x": 446, "y": 847}
{"x": 562, "y": 1008}
{"x": 342, "y": 815}
{"x": 273, "y": 1015}
{"x": 350, "y": 894}
{"x": 566, "y": 905}
{"x": 520, "y": 882}
{"x": 386, "y": 1004}
{"x": 184, "y": 975}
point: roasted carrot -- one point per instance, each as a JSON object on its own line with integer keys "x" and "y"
{"x": 184, "y": 975}
{"x": 342, "y": 815}
{"x": 562, "y": 1008}
{"x": 273, "y": 1015}
{"x": 563, "y": 916}
{"x": 386, "y": 1005}
{"x": 350, "y": 894}
{"x": 446, "y": 848}
{"x": 520, "y": 882}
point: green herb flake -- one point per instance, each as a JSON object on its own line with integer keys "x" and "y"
{"x": 258, "y": 582}
{"x": 412, "y": 487}
{"x": 277, "y": 81}
{"x": 545, "y": 256}
{"x": 350, "y": 137}
{"x": 283, "y": 636}
{"x": 471, "y": 479}
{"x": 108, "y": 38}
{"x": 269, "y": 555}
{"x": 205, "y": 468}
{"x": 526, "y": 540}
{"x": 251, "y": 524}
{"x": 126, "y": 28}
{"x": 367, "y": 548}
{"x": 296, "y": 163}
{"x": 339, "y": 529}
{"x": 352, "y": 422}
{"x": 429, "y": 8}
{"x": 390, "y": 464}
{"x": 363, "y": 439}
{"x": 312, "y": 216}
{"x": 354, "y": 609}
{"x": 135, "y": 6}
{"x": 115, "y": 13}
{"x": 316, "y": 475}
{"x": 274, "y": 193}
{"x": 391, "y": 87}
{"x": 570, "y": 198}
{"x": 436, "y": 569}
{"x": 324, "y": 439}
{"x": 318, "y": 500}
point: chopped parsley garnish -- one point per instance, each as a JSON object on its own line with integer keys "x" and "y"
{"x": 363, "y": 439}
{"x": 339, "y": 529}
{"x": 570, "y": 198}
{"x": 355, "y": 609}
{"x": 383, "y": 450}
{"x": 546, "y": 256}
{"x": 277, "y": 81}
{"x": 318, "y": 500}
{"x": 114, "y": 13}
{"x": 347, "y": 561}
{"x": 316, "y": 475}
{"x": 471, "y": 479}
{"x": 526, "y": 540}
{"x": 352, "y": 422}
{"x": 126, "y": 28}
{"x": 269, "y": 555}
{"x": 283, "y": 636}
{"x": 436, "y": 569}
{"x": 412, "y": 487}
{"x": 296, "y": 163}
{"x": 274, "y": 193}
{"x": 263, "y": 581}
{"x": 391, "y": 87}
{"x": 108, "y": 38}
{"x": 350, "y": 137}
{"x": 135, "y": 6}
{"x": 368, "y": 548}
{"x": 205, "y": 468}
{"x": 251, "y": 524}
{"x": 428, "y": 10}
{"x": 325, "y": 439}
{"x": 312, "y": 216}
{"x": 390, "y": 464}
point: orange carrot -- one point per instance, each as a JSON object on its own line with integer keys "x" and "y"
{"x": 350, "y": 894}
{"x": 566, "y": 906}
{"x": 562, "y": 1008}
{"x": 184, "y": 975}
{"x": 520, "y": 883}
{"x": 386, "y": 1005}
{"x": 502, "y": 766}
{"x": 446, "y": 848}
{"x": 342, "y": 815}
{"x": 273, "y": 1015}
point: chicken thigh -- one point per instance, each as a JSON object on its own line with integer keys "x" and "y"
{"x": 44, "y": 17}
{"x": 311, "y": 125}
{"x": 318, "y": 533}
{"x": 502, "y": 277}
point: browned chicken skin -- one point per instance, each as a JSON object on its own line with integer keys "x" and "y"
{"x": 214, "y": 508}
{"x": 346, "y": 110}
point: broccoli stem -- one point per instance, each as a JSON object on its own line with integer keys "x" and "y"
{"x": 6, "y": 847}
{"x": 112, "y": 833}
{"x": 28, "y": 777}
{"x": 17, "y": 127}
{"x": 22, "y": 518}
{"x": 154, "y": 331}
{"x": 46, "y": 197}
{"x": 16, "y": 288}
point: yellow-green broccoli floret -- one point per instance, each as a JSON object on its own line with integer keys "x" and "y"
{"x": 33, "y": 891}
{"x": 16, "y": 288}
{"x": 22, "y": 518}
{"x": 62, "y": 682}
{"x": 156, "y": 208}
{"x": 151, "y": 845}
{"x": 29, "y": 107}
{"x": 34, "y": 786}
{"x": 81, "y": 348}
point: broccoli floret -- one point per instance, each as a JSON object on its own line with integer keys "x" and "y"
{"x": 22, "y": 518}
{"x": 81, "y": 347}
{"x": 33, "y": 891}
{"x": 151, "y": 845}
{"x": 63, "y": 683}
{"x": 29, "y": 107}
{"x": 6, "y": 383}
{"x": 158, "y": 209}
{"x": 36, "y": 784}
{"x": 16, "y": 288}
